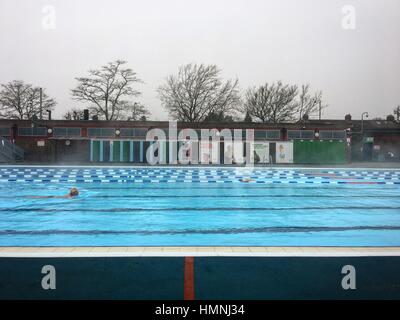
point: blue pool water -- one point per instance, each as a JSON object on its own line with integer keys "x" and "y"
{"x": 199, "y": 207}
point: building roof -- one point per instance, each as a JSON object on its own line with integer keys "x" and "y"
{"x": 354, "y": 125}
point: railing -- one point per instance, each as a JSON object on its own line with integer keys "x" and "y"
{"x": 10, "y": 151}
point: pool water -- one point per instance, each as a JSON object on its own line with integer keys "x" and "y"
{"x": 199, "y": 207}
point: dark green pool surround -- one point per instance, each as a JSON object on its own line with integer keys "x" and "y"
{"x": 214, "y": 278}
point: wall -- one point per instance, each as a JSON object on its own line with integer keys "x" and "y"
{"x": 35, "y": 153}
{"x": 213, "y": 278}
{"x": 135, "y": 151}
{"x": 77, "y": 151}
{"x": 304, "y": 151}
{"x": 54, "y": 150}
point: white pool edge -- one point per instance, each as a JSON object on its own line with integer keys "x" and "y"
{"x": 108, "y": 252}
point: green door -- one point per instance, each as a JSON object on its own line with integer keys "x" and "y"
{"x": 95, "y": 151}
{"x": 116, "y": 151}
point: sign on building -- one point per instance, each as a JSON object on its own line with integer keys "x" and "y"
{"x": 261, "y": 152}
{"x": 284, "y": 152}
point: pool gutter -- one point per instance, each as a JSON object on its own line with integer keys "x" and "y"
{"x": 39, "y": 252}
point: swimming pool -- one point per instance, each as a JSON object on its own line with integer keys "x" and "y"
{"x": 205, "y": 206}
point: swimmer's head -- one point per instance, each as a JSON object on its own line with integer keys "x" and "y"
{"x": 73, "y": 192}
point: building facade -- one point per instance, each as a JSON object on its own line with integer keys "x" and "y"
{"x": 94, "y": 141}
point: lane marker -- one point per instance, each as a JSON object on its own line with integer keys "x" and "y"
{"x": 363, "y": 182}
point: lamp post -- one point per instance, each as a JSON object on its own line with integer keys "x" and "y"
{"x": 362, "y": 120}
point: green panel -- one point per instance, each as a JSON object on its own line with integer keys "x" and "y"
{"x": 300, "y": 150}
{"x": 336, "y": 153}
{"x": 319, "y": 152}
{"x": 96, "y": 151}
{"x": 126, "y": 151}
{"x": 116, "y": 151}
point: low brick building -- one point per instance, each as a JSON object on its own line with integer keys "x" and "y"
{"x": 311, "y": 141}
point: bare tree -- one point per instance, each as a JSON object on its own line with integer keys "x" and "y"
{"x": 108, "y": 90}
{"x": 138, "y": 112}
{"x": 19, "y": 100}
{"x": 271, "y": 102}
{"x": 308, "y": 104}
{"x": 74, "y": 114}
{"x": 219, "y": 117}
{"x": 198, "y": 91}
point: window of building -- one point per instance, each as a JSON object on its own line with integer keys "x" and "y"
{"x": 267, "y": 134}
{"x": 133, "y": 132}
{"x": 4, "y": 132}
{"x": 259, "y": 134}
{"x": 140, "y": 132}
{"x": 67, "y": 132}
{"x": 332, "y": 134}
{"x": 33, "y": 132}
{"x": 273, "y": 134}
{"x": 126, "y": 132}
{"x": 101, "y": 132}
{"x": 339, "y": 134}
{"x": 300, "y": 134}
{"x": 307, "y": 134}
{"x": 294, "y": 134}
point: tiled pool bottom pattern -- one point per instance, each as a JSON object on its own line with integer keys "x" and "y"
{"x": 199, "y": 175}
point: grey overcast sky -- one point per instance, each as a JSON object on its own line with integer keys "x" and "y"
{"x": 257, "y": 41}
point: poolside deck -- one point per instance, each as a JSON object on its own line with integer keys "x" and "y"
{"x": 200, "y": 273}
{"x": 198, "y": 251}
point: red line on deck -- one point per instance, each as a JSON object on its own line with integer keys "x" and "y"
{"x": 188, "y": 285}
